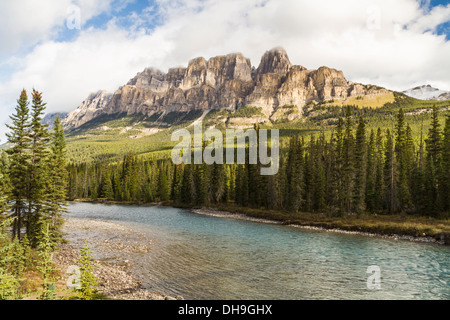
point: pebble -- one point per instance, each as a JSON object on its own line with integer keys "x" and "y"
{"x": 108, "y": 241}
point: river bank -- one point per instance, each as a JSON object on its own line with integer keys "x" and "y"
{"x": 239, "y": 216}
{"x": 112, "y": 245}
{"x": 400, "y": 227}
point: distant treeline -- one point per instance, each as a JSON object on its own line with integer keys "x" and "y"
{"x": 354, "y": 171}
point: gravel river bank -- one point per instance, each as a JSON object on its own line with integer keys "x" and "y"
{"x": 110, "y": 244}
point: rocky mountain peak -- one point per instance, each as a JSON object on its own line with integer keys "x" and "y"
{"x": 226, "y": 81}
{"x": 427, "y": 92}
{"x": 274, "y": 61}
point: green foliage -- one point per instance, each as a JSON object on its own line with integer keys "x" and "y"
{"x": 9, "y": 277}
{"x": 45, "y": 265}
{"x": 88, "y": 281}
{"x": 35, "y": 183}
{"x": 246, "y": 112}
{"x": 344, "y": 172}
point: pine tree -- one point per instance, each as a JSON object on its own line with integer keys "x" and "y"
{"x": 188, "y": 189}
{"x": 444, "y": 177}
{"x": 390, "y": 174}
{"x": 57, "y": 181}
{"x": 348, "y": 162}
{"x": 338, "y": 175}
{"x": 379, "y": 175}
{"x": 294, "y": 174}
{"x": 402, "y": 155}
{"x": 38, "y": 178}
{"x": 88, "y": 281}
{"x": 200, "y": 180}
{"x": 370, "y": 197}
{"x": 433, "y": 156}
{"x": 163, "y": 184}
{"x": 45, "y": 265}
{"x": 107, "y": 191}
{"x": 360, "y": 168}
{"x": 19, "y": 137}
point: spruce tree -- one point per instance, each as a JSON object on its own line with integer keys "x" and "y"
{"x": 433, "y": 156}
{"x": 294, "y": 174}
{"x": 360, "y": 168}
{"x": 370, "y": 197}
{"x": 444, "y": 176}
{"x": 57, "y": 180}
{"x": 338, "y": 176}
{"x": 348, "y": 162}
{"x": 402, "y": 158}
{"x": 19, "y": 138}
{"x": 38, "y": 174}
{"x": 379, "y": 175}
{"x": 390, "y": 174}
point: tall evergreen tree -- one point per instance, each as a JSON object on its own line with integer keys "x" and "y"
{"x": 338, "y": 176}
{"x": 371, "y": 173}
{"x": 433, "y": 156}
{"x": 379, "y": 175}
{"x": 444, "y": 177}
{"x": 402, "y": 155}
{"x": 19, "y": 138}
{"x": 360, "y": 168}
{"x": 57, "y": 181}
{"x": 390, "y": 174}
{"x": 348, "y": 162}
{"x": 38, "y": 175}
{"x": 294, "y": 174}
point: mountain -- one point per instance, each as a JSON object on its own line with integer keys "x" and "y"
{"x": 275, "y": 90}
{"x": 49, "y": 118}
{"x": 427, "y": 92}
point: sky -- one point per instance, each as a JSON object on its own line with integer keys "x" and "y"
{"x": 67, "y": 49}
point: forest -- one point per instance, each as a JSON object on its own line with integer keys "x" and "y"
{"x": 352, "y": 171}
{"x": 33, "y": 199}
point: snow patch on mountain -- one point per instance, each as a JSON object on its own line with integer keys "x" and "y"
{"x": 427, "y": 92}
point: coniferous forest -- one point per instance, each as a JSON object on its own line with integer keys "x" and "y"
{"x": 354, "y": 171}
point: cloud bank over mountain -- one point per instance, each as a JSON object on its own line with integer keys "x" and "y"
{"x": 397, "y": 45}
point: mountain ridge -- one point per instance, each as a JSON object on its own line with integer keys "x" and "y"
{"x": 226, "y": 82}
{"x": 427, "y": 92}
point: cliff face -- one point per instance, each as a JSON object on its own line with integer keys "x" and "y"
{"x": 221, "y": 82}
{"x": 88, "y": 110}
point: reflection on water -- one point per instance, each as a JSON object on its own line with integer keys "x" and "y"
{"x": 202, "y": 257}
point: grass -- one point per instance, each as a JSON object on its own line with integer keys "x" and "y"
{"x": 376, "y": 101}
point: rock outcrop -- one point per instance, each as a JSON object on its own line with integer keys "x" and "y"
{"x": 90, "y": 108}
{"x": 228, "y": 82}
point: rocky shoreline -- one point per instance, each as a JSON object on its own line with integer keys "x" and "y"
{"x": 110, "y": 244}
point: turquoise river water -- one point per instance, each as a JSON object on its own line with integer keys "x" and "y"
{"x": 203, "y": 257}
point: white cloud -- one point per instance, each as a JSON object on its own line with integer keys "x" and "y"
{"x": 381, "y": 42}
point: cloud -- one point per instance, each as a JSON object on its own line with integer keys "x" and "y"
{"x": 388, "y": 43}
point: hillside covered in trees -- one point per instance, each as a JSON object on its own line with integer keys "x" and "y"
{"x": 351, "y": 171}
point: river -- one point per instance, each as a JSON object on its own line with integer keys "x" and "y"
{"x": 204, "y": 257}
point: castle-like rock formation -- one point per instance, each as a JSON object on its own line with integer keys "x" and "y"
{"x": 227, "y": 81}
